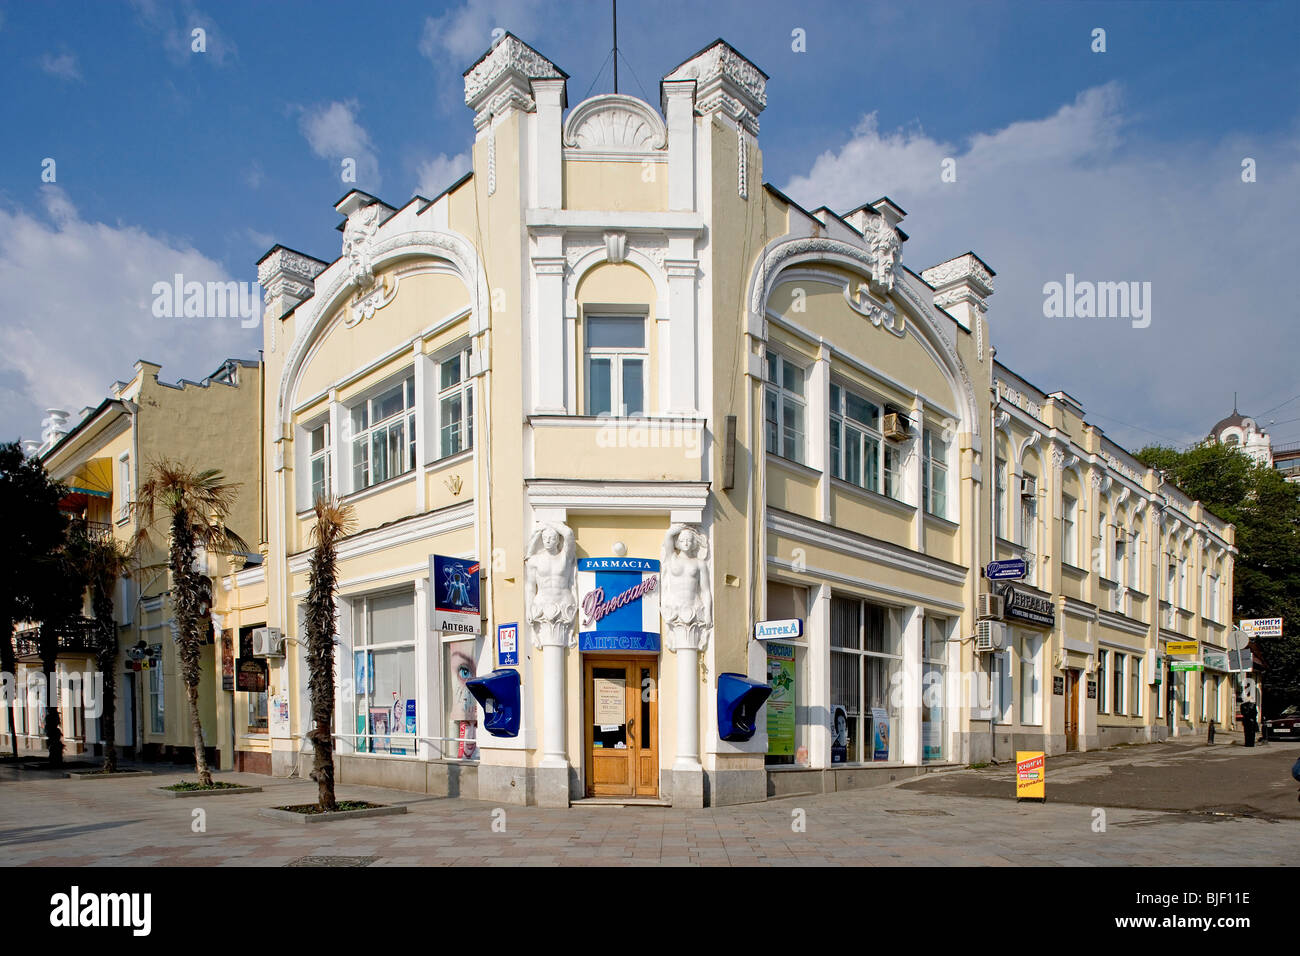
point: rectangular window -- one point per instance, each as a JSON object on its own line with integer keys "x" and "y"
{"x": 934, "y": 473}
{"x": 1117, "y": 700}
{"x": 617, "y": 358}
{"x": 124, "y": 487}
{"x": 1182, "y": 583}
{"x": 866, "y": 656}
{"x": 157, "y": 703}
{"x": 1120, "y": 554}
{"x": 1185, "y": 704}
{"x": 383, "y": 661}
{"x": 1000, "y": 498}
{"x": 783, "y": 408}
{"x": 383, "y": 430}
{"x": 859, "y": 453}
{"x": 318, "y": 461}
{"x": 1031, "y": 682}
{"x": 1134, "y": 562}
{"x": 1102, "y": 659}
{"x": 1135, "y": 686}
{"x": 1103, "y": 544}
{"x": 1171, "y": 573}
{"x": 455, "y": 405}
{"x": 934, "y": 673}
{"x": 1069, "y": 519}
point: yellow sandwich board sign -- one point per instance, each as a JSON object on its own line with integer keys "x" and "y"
{"x": 1183, "y": 648}
{"x": 1031, "y": 775}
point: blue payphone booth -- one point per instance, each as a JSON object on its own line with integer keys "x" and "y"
{"x": 739, "y": 699}
{"x": 498, "y": 695}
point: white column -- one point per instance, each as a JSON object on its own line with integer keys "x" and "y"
{"x": 678, "y": 103}
{"x": 549, "y": 96}
{"x": 914, "y": 480}
{"x": 818, "y": 657}
{"x": 682, "y": 269}
{"x": 424, "y": 423}
{"x": 818, "y": 426}
{"x": 547, "y": 338}
{"x": 913, "y": 632}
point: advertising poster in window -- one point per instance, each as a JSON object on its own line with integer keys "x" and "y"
{"x": 462, "y": 715}
{"x": 455, "y": 604}
{"x": 780, "y": 706}
{"x": 379, "y": 728}
{"x": 879, "y": 733}
{"x": 839, "y": 735}
{"x": 227, "y": 661}
{"x": 401, "y": 724}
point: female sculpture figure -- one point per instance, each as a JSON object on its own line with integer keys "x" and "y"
{"x": 686, "y": 596}
{"x": 550, "y": 568}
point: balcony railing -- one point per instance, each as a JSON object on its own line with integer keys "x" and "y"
{"x": 77, "y": 636}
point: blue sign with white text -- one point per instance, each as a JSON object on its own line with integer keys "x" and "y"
{"x": 1012, "y": 569}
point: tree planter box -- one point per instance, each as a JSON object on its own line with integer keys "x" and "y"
{"x": 214, "y": 792}
{"x": 97, "y": 775}
{"x": 289, "y": 816}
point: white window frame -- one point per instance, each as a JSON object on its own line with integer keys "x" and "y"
{"x": 860, "y": 655}
{"x": 325, "y": 455}
{"x": 1069, "y": 529}
{"x": 1119, "y": 683}
{"x": 157, "y": 712}
{"x": 462, "y": 388}
{"x": 1133, "y": 551}
{"x": 408, "y": 418}
{"x": 124, "y": 479}
{"x": 934, "y": 473}
{"x": 618, "y": 406}
{"x": 888, "y": 481}
{"x": 785, "y": 398}
{"x": 1031, "y": 704}
{"x": 1001, "y": 514}
{"x": 1002, "y": 687}
{"x": 1103, "y": 675}
{"x": 361, "y": 643}
{"x": 1135, "y": 686}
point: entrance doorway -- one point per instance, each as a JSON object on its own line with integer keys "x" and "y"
{"x": 1071, "y": 710}
{"x": 621, "y": 726}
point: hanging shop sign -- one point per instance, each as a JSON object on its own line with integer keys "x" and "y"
{"x": 780, "y": 706}
{"x": 1185, "y": 666}
{"x": 1031, "y": 775}
{"x": 1011, "y": 569}
{"x": 1021, "y": 605}
{"x": 250, "y": 675}
{"x": 1215, "y": 661}
{"x": 618, "y": 604}
{"x": 1183, "y": 648}
{"x": 455, "y": 605}
{"x": 788, "y": 630}
{"x": 1262, "y": 626}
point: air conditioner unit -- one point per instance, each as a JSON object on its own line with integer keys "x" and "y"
{"x": 268, "y": 642}
{"x": 990, "y": 636}
{"x": 991, "y": 605}
{"x": 896, "y": 427}
{"x": 1028, "y": 487}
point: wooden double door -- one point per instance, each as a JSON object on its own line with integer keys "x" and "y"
{"x": 621, "y": 726}
{"x": 1072, "y": 710}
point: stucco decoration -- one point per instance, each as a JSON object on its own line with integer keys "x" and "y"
{"x": 882, "y": 240}
{"x": 686, "y": 594}
{"x": 614, "y": 123}
{"x": 726, "y": 83}
{"x": 549, "y": 585}
{"x": 358, "y": 239}
{"x": 369, "y": 303}
{"x": 880, "y": 314}
{"x": 501, "y": 80}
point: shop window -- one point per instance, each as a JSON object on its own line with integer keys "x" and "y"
{"x": 617, "y": 360}
{"x": 1117, "y": 698}
{"x": 455, "y": 405}
{"x": 383, "y": 434}
{"x": 251, "y": 680}
{"x": 934, "y": 687}
{"x": 1000, "y": 685}
{"x": 459, "y": 664}
{"x": 934, "y": 473}
{"x": 1031, "y": 681}
{"x": 383, "y": 661}
{"x": 157, "y": 703}
{"x": 1103, "y": 658}
{"x": 866, "y": 662}
{"x": 786, "y": 714}
{"x": 1184, "y": 702}
{"x": 784, "y": 407}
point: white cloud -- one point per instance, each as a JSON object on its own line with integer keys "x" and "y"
{"x": 437, "y": 174}
{"x": 333, "y": 133}
{"x": 176, "y": 23}
{"x": 458, "y": 37}
{"x": 1074, "y": 193}
{"x": 64, "y": 66}
{"x": 76, "y": 311}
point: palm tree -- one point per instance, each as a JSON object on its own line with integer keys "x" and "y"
{"x": 56, "y": 603}
{"x": 333, "y": 521}
{"x": 104, "y": 560}
{"x": 194, "y": 506}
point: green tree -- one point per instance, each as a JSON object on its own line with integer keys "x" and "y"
{"x": 56, "y": 602}
{"x": 193, "y": 506}
{"x": 1265, "y": 509}
{"x": 35, "y": 529}
{"x": 333, "y": 521}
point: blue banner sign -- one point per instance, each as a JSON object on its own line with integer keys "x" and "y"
{"x": 1013, "y": 569}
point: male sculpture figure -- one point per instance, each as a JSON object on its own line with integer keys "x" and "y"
{"x": 550, "y": 574}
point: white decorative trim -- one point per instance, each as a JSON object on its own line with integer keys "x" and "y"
{"x": 742, "y": 163}
{"x": 368, "y": 304}
{"x": 492, "y": 159}
{"x": 726, "y": 83}
{"x": 1119, "y": 622}
{"x": 873, "y": 586}
{"x": 615, "y": 123}
{"x": 617, "y": 496}
{"x": 432, "y": 524}
{"x": 880, "y": 314}
{"x": 859, "y": 546}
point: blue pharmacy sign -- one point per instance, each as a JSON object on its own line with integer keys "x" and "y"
{"x": 1012, "y": 569}
{"x": 618, "y": 604}
{"x": 454, "y": 607}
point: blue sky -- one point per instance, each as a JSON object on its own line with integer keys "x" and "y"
{"x": 1123, "y": 165}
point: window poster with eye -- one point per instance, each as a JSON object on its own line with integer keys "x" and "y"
{"x": 780, "y": 706}
{"x": 462, "y": 709}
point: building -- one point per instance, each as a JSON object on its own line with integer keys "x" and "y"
{"x": 102, "y": 458}
{"x": 644, "y": 404}
{"x": 1242, "y": 432}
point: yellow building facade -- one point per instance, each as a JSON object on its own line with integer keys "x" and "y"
{"x": 677, "y": 431}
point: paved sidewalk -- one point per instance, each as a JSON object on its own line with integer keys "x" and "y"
{"x": 55, "y": 822}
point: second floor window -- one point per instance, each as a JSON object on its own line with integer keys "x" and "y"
{"x": 617, "y": 358}
{"x": 783, "y": 407}
{"x": 383, "y": 435}
{"x": 1000, "y": 498}
{"x": 1069, "y": 519}
{"x": 934, "y": 473}
{"x": 858, "y": 454}
{"x": 319, "y": 461}
{"x": 455, "y": 405}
